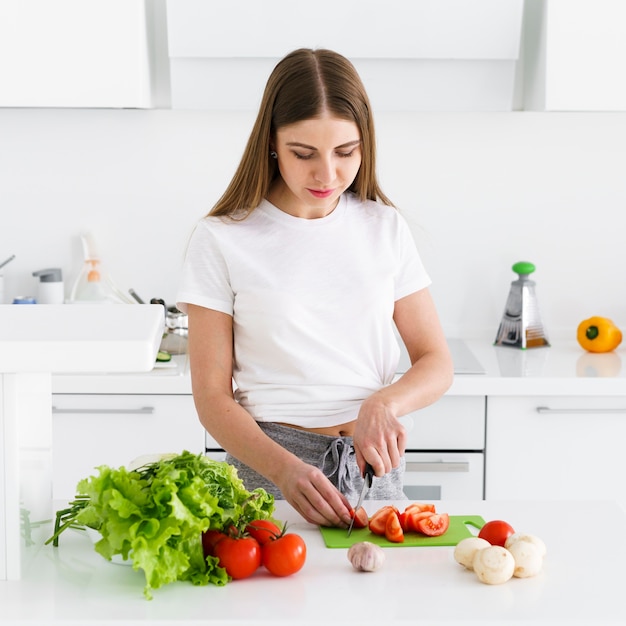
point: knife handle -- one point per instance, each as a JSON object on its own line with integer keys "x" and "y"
{"x": 369, "y": 475}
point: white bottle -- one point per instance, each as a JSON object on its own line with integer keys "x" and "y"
{"x": 51, "y": 289}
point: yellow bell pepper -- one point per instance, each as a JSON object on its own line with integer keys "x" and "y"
{"x": 598, "y": 334}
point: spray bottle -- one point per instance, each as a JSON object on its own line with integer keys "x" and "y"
{"x": 92, "y": 284}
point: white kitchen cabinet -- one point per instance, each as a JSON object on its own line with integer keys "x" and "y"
{"x": 574, "y": 55}
{"x": 89, "y": 430}
{"x": 556, "y": 448}
{"x": 418, "y": 55}
{"x": 75, "y": 53}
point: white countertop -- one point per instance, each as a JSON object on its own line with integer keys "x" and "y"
{"x": 564, "y": 368}
{"x": 582, "y": 581}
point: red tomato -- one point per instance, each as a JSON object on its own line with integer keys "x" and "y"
{"x": 263, "y": 530}
{"x": 435, "y": 525}
{"x": 210, "y": 539}
{"x": 284, "y": 556}
{"x": 412, "y": 518}
{"x": 378, "y": 521}
{"x": 361, "y": 520}
{"x": 393, "y": 529}
{"x": 418, "y": 507}
{"x": 239, "y": 556}
{"x": 496, "y": 532}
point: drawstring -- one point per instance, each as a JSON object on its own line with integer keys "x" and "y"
{"x": 335, "y": 464}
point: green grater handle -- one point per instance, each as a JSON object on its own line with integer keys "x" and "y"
{"x": 523, "y": 268}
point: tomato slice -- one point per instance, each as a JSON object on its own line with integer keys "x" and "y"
{"x": 393, "y": 529}
{"x": 419, "y": 507}
{"x": 434, "y": 525}
{"x": 361, "y": 519}
{"x": 378, "y": 521}
{"x": 412, "y": 519}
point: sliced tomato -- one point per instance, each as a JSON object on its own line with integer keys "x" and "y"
{"x": 361, "y": 519}
{"x": 412, "y": 519}
{"x": 378, "y": 521}
{"x": 393, "y": 529}
{"x": 434, "y": 525}
{"x": 419, "y": 507}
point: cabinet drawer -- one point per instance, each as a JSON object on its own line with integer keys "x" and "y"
{"x": 452, "y": 423}
{"x": 556, "y": 448}
{"x": 91, "y": 430}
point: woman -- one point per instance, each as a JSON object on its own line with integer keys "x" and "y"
{"x": 292, "y": 285}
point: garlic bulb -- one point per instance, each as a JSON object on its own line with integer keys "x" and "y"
{"x": 366, "y": 556}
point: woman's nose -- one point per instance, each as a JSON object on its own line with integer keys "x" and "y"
{"x": 325, "y": 171}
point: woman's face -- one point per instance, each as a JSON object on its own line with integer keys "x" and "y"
{"x": 318, "y": 160}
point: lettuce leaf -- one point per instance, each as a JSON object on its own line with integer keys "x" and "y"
{"x": 155, "y": 515}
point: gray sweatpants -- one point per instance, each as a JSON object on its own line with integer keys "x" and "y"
{"x": 333, "y": 455}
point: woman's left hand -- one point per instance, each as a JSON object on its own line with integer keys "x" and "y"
{"x": 379, "y": 437}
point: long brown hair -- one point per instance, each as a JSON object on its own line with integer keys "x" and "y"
{"x": 302, "y": 86}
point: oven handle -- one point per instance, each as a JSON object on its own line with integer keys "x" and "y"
{"x": 437, "y": 466}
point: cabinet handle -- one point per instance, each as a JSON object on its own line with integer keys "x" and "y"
{"x": 437, "y": 466}
{"x": 545, "y": 410}
{"x": 144, "y": 410}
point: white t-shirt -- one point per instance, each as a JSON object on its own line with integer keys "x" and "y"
{"x": 312, "y": 303}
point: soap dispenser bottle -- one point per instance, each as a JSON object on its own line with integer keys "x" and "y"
{"x": 50, "y": 290}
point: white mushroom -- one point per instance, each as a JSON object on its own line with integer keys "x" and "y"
{"x": 494, "y": 565}
{"x": 525, "y": 537}
{"x": 366, "y": 556}
{"x": 465, "y": 550}
{"x": 528, "y": 559}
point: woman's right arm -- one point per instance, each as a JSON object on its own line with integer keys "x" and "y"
{"x": 210, "y": 348}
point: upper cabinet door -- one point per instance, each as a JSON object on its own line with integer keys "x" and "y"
{"x": 575, "y": 55}
{"x": 74, "y": 53}
{"x": 412, "y": 55}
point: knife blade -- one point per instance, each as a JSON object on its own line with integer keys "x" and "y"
{"x": 367, "y": 483}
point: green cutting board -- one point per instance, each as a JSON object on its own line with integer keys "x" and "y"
{"x": 460, "y": 528}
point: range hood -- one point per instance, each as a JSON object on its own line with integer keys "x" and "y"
{"x": 421, "y": 55}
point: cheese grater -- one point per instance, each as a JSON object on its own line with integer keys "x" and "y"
{"x": 521, "y": 325}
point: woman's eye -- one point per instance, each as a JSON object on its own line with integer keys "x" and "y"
{"x": 304, "y": 157}
{"x": 345, "y": 154}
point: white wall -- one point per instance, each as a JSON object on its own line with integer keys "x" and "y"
{"x": 481, "y": 191}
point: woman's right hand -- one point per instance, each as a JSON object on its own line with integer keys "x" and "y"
{"x": 308, "y": 490}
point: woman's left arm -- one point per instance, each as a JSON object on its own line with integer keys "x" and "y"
{"x": 379, "y": 437}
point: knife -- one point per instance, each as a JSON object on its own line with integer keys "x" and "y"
{"x": 367, "y": 483}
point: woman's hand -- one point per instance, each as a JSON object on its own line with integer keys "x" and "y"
{"x": 307, "y": 489}
{"x": 379, "y": 437}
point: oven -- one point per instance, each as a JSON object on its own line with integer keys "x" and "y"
{"x": 445, "y": 452}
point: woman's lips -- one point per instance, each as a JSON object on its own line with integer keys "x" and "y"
{"x": 321, "y": 193}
